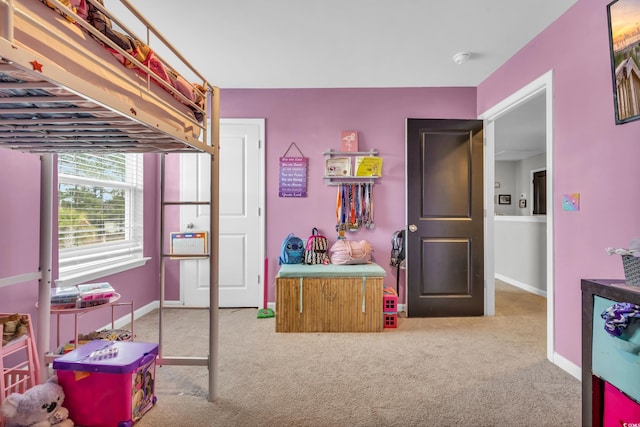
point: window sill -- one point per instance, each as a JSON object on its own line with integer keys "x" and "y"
{"x": 86, "y": 276}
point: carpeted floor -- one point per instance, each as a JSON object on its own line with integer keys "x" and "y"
{"x": 481, "y": 371}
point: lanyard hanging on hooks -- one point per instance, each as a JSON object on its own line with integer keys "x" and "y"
{"x": 370, "y": 224}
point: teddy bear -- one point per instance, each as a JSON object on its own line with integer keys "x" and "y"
{"x": 40, "y": 406}
{"x": 14, "y": 326}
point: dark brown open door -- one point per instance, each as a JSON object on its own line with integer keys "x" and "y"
{"x": 445, "y": 236}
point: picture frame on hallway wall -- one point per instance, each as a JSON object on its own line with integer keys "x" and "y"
{"x": 504, "y": 199}
{"x": 624, "y": 45}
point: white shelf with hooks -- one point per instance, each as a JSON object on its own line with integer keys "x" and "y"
{"x": 350, "y": 178}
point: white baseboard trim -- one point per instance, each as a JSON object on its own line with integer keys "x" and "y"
{"x": 126, "y": 319}
{"x": 567, "y": 366}
{"x": 521, "y": 285}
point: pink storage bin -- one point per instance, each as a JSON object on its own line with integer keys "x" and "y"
{"x": 108, "y": 383}
{"x": 619, "y": 410}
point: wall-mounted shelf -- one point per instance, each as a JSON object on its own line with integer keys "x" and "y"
{"x": 349, "y": 178}
{"x": 339, "y": 180}
{"x": 371, "y": 152}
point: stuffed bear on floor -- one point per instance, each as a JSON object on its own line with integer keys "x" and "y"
{"x": 40, "y": 406}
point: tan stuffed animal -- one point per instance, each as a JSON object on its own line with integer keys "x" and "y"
{"x": 13, "y": 326}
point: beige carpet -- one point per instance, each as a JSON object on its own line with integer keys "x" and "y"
{"x": 481, "y": 371}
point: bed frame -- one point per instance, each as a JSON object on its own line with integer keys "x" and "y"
{"x": 62, "y": 91}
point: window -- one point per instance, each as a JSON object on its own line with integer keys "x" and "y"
{"x": 99, "y": 215}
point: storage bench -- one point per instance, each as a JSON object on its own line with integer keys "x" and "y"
{"x": 329, "y": 298}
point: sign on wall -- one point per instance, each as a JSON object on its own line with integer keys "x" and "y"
{"x": 293, "y": 174}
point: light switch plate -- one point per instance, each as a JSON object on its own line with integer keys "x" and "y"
{"x": 571, "y": 202}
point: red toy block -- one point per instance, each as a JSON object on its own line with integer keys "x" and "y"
{"x": 390, "y": 320}
{"x": 390, "y": 303}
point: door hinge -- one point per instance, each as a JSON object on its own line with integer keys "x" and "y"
{"x": 259, "y": 144}
{"x": 259, "y": 212}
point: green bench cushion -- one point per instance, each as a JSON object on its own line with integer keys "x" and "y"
{"x": 331, "y": 270}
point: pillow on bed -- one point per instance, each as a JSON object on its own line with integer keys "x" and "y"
{"x": 81, "y": 8}
{"x": 64, "y": 2}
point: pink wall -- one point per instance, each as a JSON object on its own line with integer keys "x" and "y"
{"x": 19, "y": 229}
{"x": 313, "y": 119}
{"x": 592, "y": 156}
{"x": 19, "y": 213}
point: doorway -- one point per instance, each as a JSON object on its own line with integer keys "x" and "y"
{"x": 543, "y": 86}
{"x": 242, "y": 219}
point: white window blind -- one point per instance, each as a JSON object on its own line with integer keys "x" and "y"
{"x": 99, "y": 214}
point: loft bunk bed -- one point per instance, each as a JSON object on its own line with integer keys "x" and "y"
{"x": 75, "y": 78}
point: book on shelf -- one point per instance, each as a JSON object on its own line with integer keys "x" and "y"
{"x": 368, "y": 166}
{"x": 338, "y": 166}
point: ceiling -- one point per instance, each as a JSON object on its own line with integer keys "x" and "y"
{"x": 349, "y": 43}
{"x": 361, "y": 44}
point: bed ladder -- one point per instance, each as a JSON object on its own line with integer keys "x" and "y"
{"x": 211, "y": 361}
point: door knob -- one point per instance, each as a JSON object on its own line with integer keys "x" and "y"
{"x": 413, "y": 228}
{"x": 189, "y": 226}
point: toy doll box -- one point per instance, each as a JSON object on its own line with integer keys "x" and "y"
{"x": 108, "y": 383}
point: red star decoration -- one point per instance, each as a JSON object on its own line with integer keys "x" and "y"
{"x": 36, "y": 66}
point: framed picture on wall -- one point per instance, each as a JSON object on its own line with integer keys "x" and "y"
{"x": 624, "y": 44}
{"x": 504, "y": 199}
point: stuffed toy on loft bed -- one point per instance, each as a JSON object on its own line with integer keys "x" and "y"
{"x": 40, "y": 406}
{"x": 138, "y": 50}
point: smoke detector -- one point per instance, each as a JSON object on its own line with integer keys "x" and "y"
{"x": 461, "y": 57}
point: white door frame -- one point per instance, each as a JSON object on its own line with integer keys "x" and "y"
{"x": 261, "y": 175}
{"x": 543, "y": 84}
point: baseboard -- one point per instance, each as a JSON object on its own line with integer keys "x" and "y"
{"x": 521, "y": 285}
{"x": 567, "y": 366}
{"x": 126, "y": 319}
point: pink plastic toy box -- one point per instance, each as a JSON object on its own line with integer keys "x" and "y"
{"x": 108, "y": 383}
